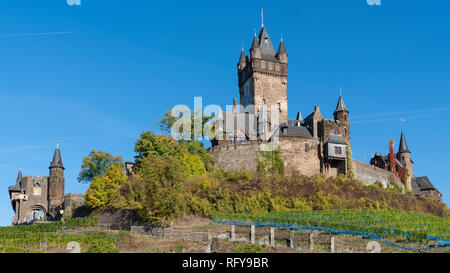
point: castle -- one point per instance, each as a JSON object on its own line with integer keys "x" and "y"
{"x": 42, "y": 199}
{"x": 308, "y": 145}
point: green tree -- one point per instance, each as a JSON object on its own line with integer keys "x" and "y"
{"x": 158, "y": 189}
{"x": 167, "y": 121}
{"x": 96, "y": 163}
{"x": 150, "y": 144}
{"x": 104, "y": 191}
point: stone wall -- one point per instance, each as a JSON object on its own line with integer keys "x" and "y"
{"x": 296, "y": 157}
{"x": 114, "y": 219}
{"x": 171, "y": 233}
{"x": 73, "y": 200}
{"x": 241, "y": 157}
{"x": 370, "y": 174}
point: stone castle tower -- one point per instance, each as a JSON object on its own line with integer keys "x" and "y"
{"x": 36, "y": 198}
{"x": 263, "y": 77}
{"x": 56, "y": 182}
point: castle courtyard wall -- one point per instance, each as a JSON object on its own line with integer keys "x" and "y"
{"x": 235, "y": 158}
{"x": 370, "y": 174}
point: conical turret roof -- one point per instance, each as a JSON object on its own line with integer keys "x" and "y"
{"x": 403, "y": 148}
{"x": 340, "y": 106}
{"x": 57, "y": 160}
{"x": 281, "y": 48}
{"x": 255, "y": 43}
{"x": 242, "y": 57}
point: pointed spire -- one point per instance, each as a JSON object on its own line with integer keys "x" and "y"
{"x": 267, "y": 50}
{"x": 242, "y": 59}
{"x": 403, "y": 148}
{"x": 340, "y": 106}
{"x": 57, "y": 160}
{"x": 281, "y": 48}
{"x": 19, "y": 176}
{"x": 255, "y": 43}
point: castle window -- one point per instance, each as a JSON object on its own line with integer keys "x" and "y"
{"x": 271, "y": 66}
{"x": 345, "y": 131}
{"x": 338, "y": 150}
{"x": 279, "y": 107}
{"x": 277, "y": 68}
{"x": 306, "y": 148}
{"x": 263, "y": 65}
{"x": 264, "y": 102}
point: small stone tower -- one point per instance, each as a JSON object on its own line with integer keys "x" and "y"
{"x": 404, "y": 156}
{"x": 341, "y": 119}
{"x": 263, "y": 77}
{"x": 56, "y": 184}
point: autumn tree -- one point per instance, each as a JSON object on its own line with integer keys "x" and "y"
{"x": 96, "y": 163}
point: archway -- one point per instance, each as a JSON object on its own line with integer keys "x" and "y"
{"x": 36, "y": 213}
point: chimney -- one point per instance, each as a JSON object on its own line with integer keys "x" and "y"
{"x": 392, "y": 156}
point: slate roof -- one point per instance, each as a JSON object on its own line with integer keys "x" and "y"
{"x": 57, "y": 160}
{"x": 403, "y": 148}
{"x": 282, "y": 48}
{"x": 424, "y": 183}
{"x": 242, "y": 57}
{"x": 294, "y": 128}
{"x": 336, "y": 139}
{"x": 267, "y": 51}
{"x": 340, "y": 106}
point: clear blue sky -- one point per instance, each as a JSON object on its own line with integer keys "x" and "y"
{"x": 98, "y": 74}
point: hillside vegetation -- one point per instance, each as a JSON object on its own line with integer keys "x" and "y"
{"x": 172, "y": 179}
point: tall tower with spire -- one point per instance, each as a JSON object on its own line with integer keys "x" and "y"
{"x": 404, "y": 156}
{"x": 56, "y": 184}
{"x": 263, "y": 76}
{"x": 341, "y": 118}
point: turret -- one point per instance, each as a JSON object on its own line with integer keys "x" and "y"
{"x": 56, "y": 185}
{"x": 282, "y": 54}
{"x": 242, "y": 60}
{"x": 341, "y": 112}
{"x": 341, "y": 116}
{"x": 404, "y": 156}
{"x": 255, "y": 50}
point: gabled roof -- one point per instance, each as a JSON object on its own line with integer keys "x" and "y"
{"x": 423, "y": 183}
{"x": 267, "y": 51}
